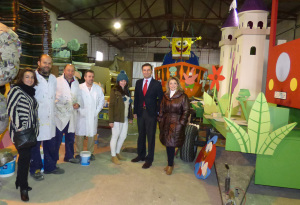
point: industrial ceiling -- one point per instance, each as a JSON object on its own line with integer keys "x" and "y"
{"x": 145, "y": 21}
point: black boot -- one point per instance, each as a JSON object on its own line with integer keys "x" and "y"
{"x": 24, "y": 195}
{"x": 28, "y": 188}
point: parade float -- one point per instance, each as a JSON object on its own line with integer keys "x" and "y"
{"x": 182, "y": 63}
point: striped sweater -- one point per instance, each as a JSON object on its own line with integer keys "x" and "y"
{"x": 22, "y": 110}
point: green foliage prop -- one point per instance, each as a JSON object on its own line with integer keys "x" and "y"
{"x": 258, "y": 140}
{"x": 73, "y": 45}
{"x": 58, "y": 43}
{"x": 244, "y": 94}
{"x": 209, "y": 104}
{"x": 63, "y": 54}
{"x": 224, "y": 103}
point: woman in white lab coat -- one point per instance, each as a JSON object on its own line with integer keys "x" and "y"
{"x": 87, "y": 119}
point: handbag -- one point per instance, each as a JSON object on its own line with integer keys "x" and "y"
{"x": 25, "y": 138}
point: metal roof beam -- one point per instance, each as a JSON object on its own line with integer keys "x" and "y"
{"x": 102, "y": 11}
{"x": 168, "y": 13}
{"x": 149, "y": 8}
{"x": 210, "y": 8}
{"x": 149, "y": 14}
{"x": 130, "y": 14}
{"x": 126, "y": 9}
{"x": 86, "y": 9}
{"x": 57, "y": 11}
{"x": 186, "y": 11}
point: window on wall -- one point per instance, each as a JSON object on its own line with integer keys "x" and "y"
{"x": 260, "y": 24}
{"x": 230, "y": 37}
{"x": 99, "y": 56}
{"x": 253, "y": 50}
{"x": 250, "y": 24}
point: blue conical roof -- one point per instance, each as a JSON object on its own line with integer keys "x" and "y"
{"x": 253, "y": 5}
{"x": 232, "y": 20}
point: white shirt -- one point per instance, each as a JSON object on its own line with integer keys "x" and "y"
{"x": 92, "y": 104}
{"x": 172, "y": 93}
{"x": 126, "y": 105}
{"x": 65, "y": 98}
{"x": 148, "y": 82}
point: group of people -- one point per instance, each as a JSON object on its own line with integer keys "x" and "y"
{"x": 170, "y": 109}
{"x": 60, "y": 106}
{"x": 54, "y": 107}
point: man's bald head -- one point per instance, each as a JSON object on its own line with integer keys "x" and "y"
{"x": 69, "y": 71}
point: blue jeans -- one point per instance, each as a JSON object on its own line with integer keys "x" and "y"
{"x": 49, "y": 156}
{"x": 69, "y": 143}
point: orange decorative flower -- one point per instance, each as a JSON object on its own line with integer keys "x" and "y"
{"x": 216, "y": 77}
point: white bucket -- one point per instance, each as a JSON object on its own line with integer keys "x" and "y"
{"x": 8, "y": 169}
{"x": 85, "y": 158}
{"x": 42, "y": 157}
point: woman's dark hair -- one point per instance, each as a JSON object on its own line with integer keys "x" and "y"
{"x": 22, "y": 73}
{"x": 120, "y": 89}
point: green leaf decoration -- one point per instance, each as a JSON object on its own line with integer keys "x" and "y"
{"x": 209, "y": 105}
{"x": 243, "y": 95}
{"x": 73, "y": 45}
{"x": 224, "y": 102}
{"x": 258, "y": 140}
{"x": 57, "y": 43}
{"x": 270, "y": 144}
{"x": 63, "y": 54}
{"x": 259, "y": 123}
{"x": 240, "y": 135}
{"x": 235, "y": 110}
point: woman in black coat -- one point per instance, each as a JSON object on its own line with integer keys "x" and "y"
{"x": 22, "y": 109}
{"x": 173, "y": 116}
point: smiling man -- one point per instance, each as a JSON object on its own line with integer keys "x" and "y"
{"x": 87, "y": 122}
{"x": 67, "y": 102}
{"x": 45, "y": 96}
{"x": 147, "y": 97}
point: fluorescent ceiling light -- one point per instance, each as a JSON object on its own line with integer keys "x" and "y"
{"x": 117, "y": 25}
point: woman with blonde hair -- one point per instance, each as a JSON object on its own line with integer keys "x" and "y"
{"x": 173, "y": 116}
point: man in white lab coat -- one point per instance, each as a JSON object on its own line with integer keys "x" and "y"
{"x": 45, "y": 95}
{"x": 67, "y": 102}
{"x": 87, "y": 121}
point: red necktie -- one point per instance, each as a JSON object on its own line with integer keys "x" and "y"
{"x": 145, "y": 90}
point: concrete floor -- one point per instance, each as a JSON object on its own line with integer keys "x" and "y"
{"x": 105, "y": 183}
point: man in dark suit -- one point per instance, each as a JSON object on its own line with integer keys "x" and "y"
{"x": 147, "y": 97}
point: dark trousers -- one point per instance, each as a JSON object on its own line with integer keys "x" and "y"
{"x": 146, "y": 127}
{"x": 23, "y": 167}
{"x": 69, "y": 143}
{"x": 49, "y": 156}
{"x": 171, "y": 155}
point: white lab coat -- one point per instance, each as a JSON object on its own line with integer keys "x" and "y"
{"x": 65, "y": 98}
{"x": 92, "y": 104}
{"x": 45, "y": 96}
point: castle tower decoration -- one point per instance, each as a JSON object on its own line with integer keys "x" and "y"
{"x": 227, "y": 47}
{"x": 250, "y": 45}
